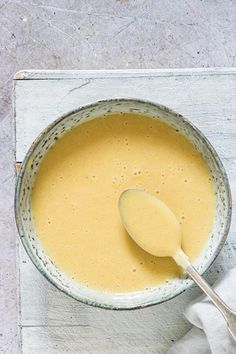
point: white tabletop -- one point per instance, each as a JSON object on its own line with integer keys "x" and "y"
{"x": 50, "y": 321}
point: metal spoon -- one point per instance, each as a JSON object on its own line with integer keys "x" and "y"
{"x": 136, "y": 209}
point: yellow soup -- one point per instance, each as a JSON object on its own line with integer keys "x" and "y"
{"x": 78, "y": 185}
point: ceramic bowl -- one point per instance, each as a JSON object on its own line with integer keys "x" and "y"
{"x": 28, "y": 235}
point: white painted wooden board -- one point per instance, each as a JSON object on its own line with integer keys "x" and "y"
{"x": 50, "y": 321}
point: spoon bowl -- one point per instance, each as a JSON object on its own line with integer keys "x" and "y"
{"x": 161, "y": 235}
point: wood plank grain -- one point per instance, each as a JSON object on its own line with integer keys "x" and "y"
{"x": 93, "y": 339}
{"x": 51, "y": 321}
{"x": 75, "y": 74}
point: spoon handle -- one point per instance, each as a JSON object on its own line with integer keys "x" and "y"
{"x": 229, "y": 315}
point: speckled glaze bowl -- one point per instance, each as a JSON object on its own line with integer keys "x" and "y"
{"x": 28, "y": 235}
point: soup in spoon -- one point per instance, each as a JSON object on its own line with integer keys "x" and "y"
{"x": 152, "y": 225}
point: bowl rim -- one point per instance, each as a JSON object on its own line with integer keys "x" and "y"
{"x": 18, "y": 185}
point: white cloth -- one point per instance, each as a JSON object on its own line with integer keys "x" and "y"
{"x": 209, "y": 334}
